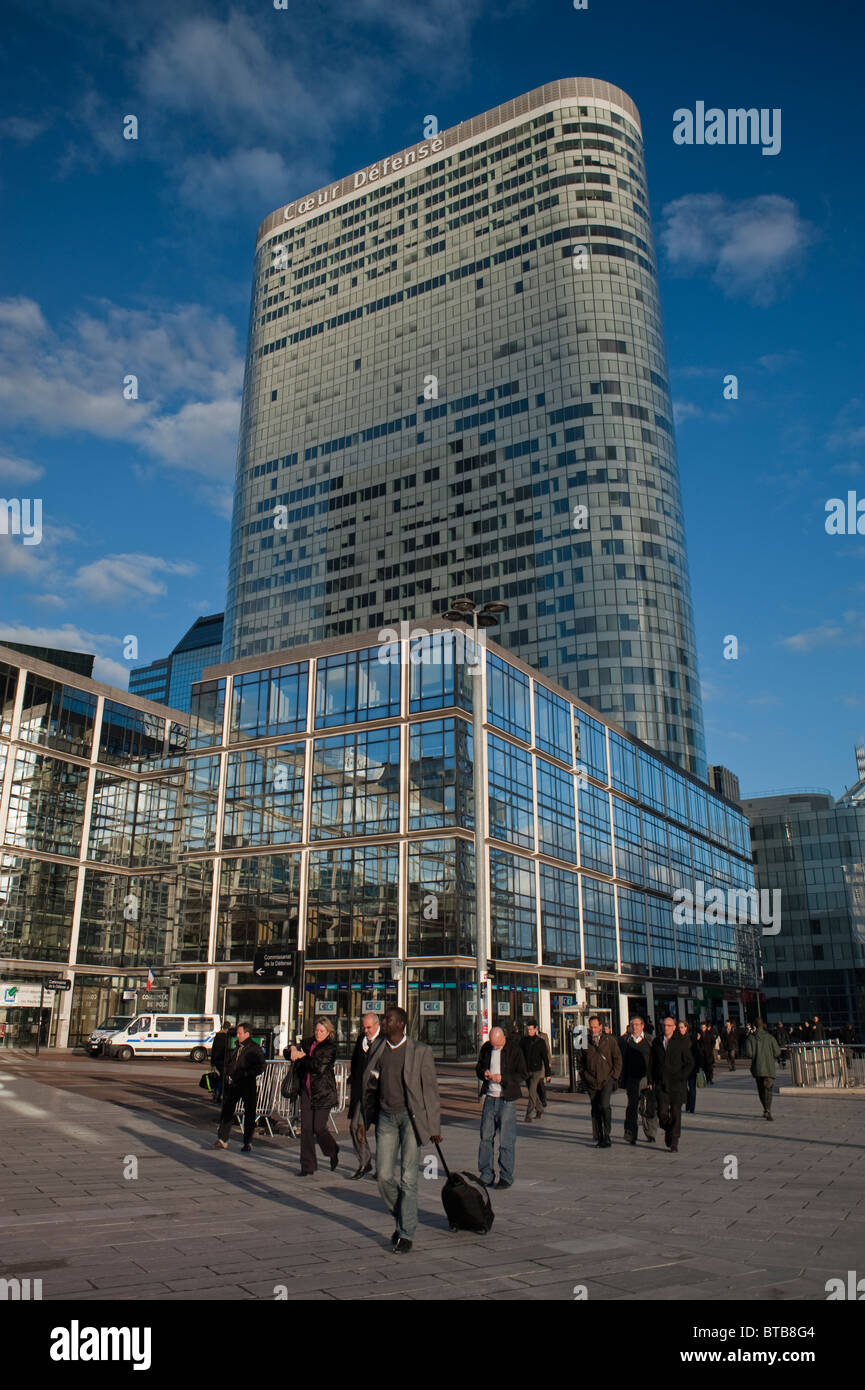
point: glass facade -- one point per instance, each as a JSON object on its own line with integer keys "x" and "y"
{"x": 443, "y": 366}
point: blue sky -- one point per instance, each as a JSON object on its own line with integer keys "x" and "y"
{"x": 121, "y": 257}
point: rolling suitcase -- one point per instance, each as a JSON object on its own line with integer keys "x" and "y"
{"x": 466, "y": 1201}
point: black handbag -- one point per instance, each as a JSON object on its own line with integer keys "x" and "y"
{"x": 648, "y": 1106}
{"x": 290, "y": 1088}
{"x": 209, "y": 1080}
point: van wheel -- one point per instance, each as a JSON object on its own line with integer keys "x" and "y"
{"x": 125, "y": 1054}
{"x": 198, "y": 1054}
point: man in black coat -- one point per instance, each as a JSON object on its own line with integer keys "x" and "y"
{"x": 539, "y": 1067}
{"x": 600, "y": 1067}
{"x": 368, "y": 1042}
{"x": 637, "y": 1073}
{"x": 672, "y": 1061}
{"x": 244, "y": 1066}
{"x": 501, "y": 1069}
{"x": 706, "y": 1050}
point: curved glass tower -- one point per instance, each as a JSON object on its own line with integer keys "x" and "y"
{"x": 456, "y": 382}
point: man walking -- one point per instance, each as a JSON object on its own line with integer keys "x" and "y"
{"x": 244, "y": 1065}
{"x": 501, "y": 1069}
{"x": 637, "y": 1072}
{"x": 539, "y": 1068}
{"x": 764, "y": 1053}
{"x": 600, "y": 1067}
{"x": 218, "y": 1059}
{"x": 706, "y": 1051}
{"x": 401, "y": 1099}
{"x": 671, "y": 1059}
{"x": 685, "y": 1032}
{"x": 729, "y": 1045}
{"x": 370, "y": 1039}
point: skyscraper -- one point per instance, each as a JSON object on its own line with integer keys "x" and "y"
{"x": 169, "y": 679}
{"x": 456, "y": 382}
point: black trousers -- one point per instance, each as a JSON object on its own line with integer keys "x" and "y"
{"x": 765, "y": 1085}
{"x": 313, "y": 1125}
{"x": 602, "y": 1116}
{"x": 669, "y": 1118}
{"x": 248, "y": 1094}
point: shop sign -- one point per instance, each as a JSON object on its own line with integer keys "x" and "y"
{"x": 326, "y": 1006}
{"x": 14, "y": 996}
{"x": 432, "y": 1006}
{"x": 372, "y": 1006}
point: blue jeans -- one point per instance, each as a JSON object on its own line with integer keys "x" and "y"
{"x": 396, "y": 1133}
{"x": 498, "y": 1116}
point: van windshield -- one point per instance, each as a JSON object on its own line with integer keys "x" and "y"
{"x": 116, "y": 1022}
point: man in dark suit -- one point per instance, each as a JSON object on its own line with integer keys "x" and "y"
{"x": 369, "y": 1040}
{"x": 501, "y": 1069}
{"x": 672, "y": 1062}
{"x": 637, "y": 1073}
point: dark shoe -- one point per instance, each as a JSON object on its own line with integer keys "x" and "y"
{"x": 503, "y": 1184}
{"x": 674, "y": 1148}
{"x": 629, "y": 1140}
{"x": 605, "y": 1144}
{"x": 394, "y": 1238}
{"x": 650, "y": 1138}
{"x": 247, "y": 1149}
{"x": 362, "y": 1171}
{"x": 306, "y": 1173}
{"x": 402, "y": 1246}
{"x": 334, "y": 1162}
{"x": 768, "y": 1115}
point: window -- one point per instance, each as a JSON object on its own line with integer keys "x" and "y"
{"x": 355, "y": 785}
{"x": 557, "y": 834}
{"x": 205, "y": 720}
{"x": 128, "y": 735}
{"x": 553, "y": 724}
{"x": 264, "y": 796}
{"x": 354, "y": 687}
{"x": 508, "y": 698}
{"x": 353, "y": 905}
{"x": 441, "y": 898}
{"x": 560, "y": 917}
{"x": 269, "y": 702}
{"x": 512, "y": 907}
{"x": 596, "y": 849}
{"x": 591, "y": 738}
{"x": 510, "y": 793}
{"x": 632, "y": 931}
{"x": 440, "y": 774}
{"x": 57, "y": 716}
{"x": 623, "y": 765}
{"x": 599, "y": 924}
{"x": 170, "y": 1024}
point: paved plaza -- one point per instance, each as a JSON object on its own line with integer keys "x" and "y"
{"x": 626, "y": 1223}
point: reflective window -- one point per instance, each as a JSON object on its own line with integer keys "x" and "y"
{"x": 557, "y": 830}
{"x": 510, "y": 793}
{"x": 200, "y": 803}
{"x": 264, "y": 796}
{"x": 353, "y": 903}
{"x": 355, "y": 784}
{"x": 133, "y": 823}
{"x": 441, "y": 898}
{"x": 698, "y": 805}
{"x": 441, "y": 666}
{"x": 192, "y": 925}
{"x": 623, "y": 765}
{"x": 591, "y": 739}
{"x": 677, "y": 795}
{"x": 125, "y": 921}
{"x": 596, "y": 845}
{"x": 629, "y": 841}
{"x": 269, "y": 702}
{"x": 633, "y": 937}
{"x": 57, "y": 716}
{"x": 560, "y": 917}
{"x": 8, "y": 686}
{"x": 206, "y": 709}
{"x": 599, "y": 924}
{"x": 718, "y": 819}
{"x": 651, "y": 782}
{"x": 656, "y": 850}
{"x": 46, "y": 805}
{"x": 513, "y": 915}
{"x": 37, "y": 903}
{"x": 129, "y": 735}
{"x": 259, "y": 900}
{"x": 508, "y": 698}
{"x": 440, "y": 774}
{"x": 353, "y": 687}
{"x": 662, "y": 936}
{"x": 553, "y": 724}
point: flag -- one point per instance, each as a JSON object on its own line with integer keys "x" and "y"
{"x": 151, "y": 979}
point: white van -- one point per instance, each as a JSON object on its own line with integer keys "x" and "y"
{"x": 164, "y": 1035}
{"x": 96, "y": 1042}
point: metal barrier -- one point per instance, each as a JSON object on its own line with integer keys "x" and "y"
{"x": 270, "y": 1102}
{"x": 828, "y": 1063}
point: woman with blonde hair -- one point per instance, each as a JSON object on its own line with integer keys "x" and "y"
{"x": 318, "y": 1095}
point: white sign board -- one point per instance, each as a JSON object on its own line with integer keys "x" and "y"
{"x": 432, "y": 1006}
{"x": 326, "y": 1006}
{"x": 373, "y": 1006}
{"x": 502, "y": 1009}
{"x": 528, "y": 1010}
{"x": 14, "y": 996}
{"x": 472, "y": 1007}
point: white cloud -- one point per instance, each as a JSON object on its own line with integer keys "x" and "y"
{"x": 849, "y": 632}
{"x": 22, "y": 129}
{"x": 189, "y": 374}
{"x": 686, "y": 410}
{"x": 71, "y": 638}
{"x": 15, "y": 470}
{"x": 119, "y": 578}
{"x": 752, "y": 247}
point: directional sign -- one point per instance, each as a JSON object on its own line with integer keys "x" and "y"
{"x": 58, "y": 985}
{"x": 275, "y": 965}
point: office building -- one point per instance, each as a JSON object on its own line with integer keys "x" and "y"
{"x": 456, "y": 382}
{"x": 812, "y": 849}
{"x": 169, "y": 680}
{"x": 724, "y": 781}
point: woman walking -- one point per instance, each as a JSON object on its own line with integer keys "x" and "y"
{"x": 315, "y": 1058}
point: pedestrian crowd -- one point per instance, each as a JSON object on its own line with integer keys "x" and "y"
{"x": 394, "y": 1091}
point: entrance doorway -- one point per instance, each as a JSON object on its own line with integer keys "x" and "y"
{"x": 260, "y": 1008}
{"x": 19, "y": 1026}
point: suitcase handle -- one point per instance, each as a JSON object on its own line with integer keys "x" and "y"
{"x": 444, "y": 1164}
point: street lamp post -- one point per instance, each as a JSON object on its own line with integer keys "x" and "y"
{"x": 464, "y": 610}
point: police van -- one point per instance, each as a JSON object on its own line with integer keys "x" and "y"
{"x": 96, "y": 1042}
{"x": 164, "y": 1035}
